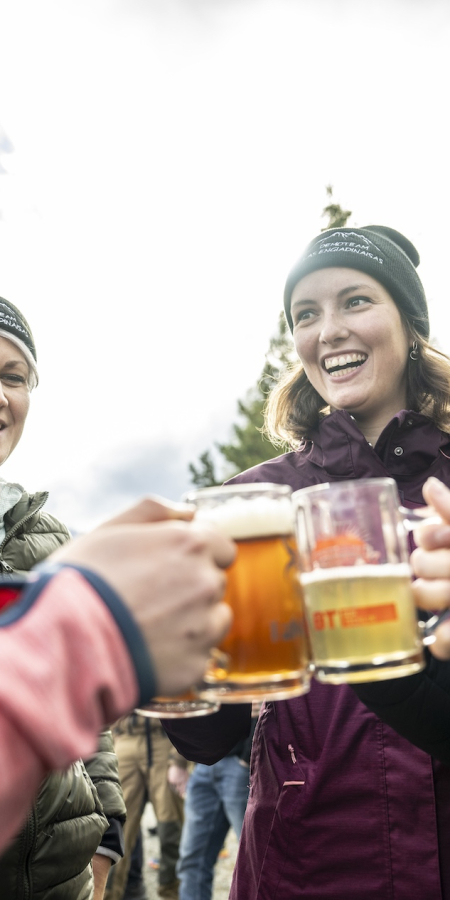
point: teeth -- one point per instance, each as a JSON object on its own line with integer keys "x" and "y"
{"x": 334, "y": 361}
{"x": 338, "y": 373}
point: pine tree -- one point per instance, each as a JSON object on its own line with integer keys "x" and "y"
{"x": 337, "y": 217}
{"x": 204, "y": 474}
{"x": 249, "y": 446}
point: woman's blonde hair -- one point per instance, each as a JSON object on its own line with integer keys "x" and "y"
{"x": 294, "y": 407}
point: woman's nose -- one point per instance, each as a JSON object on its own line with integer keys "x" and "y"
{"x": 334, "y": 328}
{"x": 3, "y": 397}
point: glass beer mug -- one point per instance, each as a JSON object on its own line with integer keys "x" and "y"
{"x": 265, "y": 653}
{"x": 186, "y": 706}
{"x": 356, "y": 577}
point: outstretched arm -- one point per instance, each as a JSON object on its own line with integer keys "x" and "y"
{"x": 131, "y": 609}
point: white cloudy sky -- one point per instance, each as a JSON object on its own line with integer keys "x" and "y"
{"x": 162, "y": 164}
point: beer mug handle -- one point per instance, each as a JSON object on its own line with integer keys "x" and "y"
{"x": 428, "y": 628}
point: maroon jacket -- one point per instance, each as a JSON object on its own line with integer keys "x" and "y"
{"x": 341, "y": 807}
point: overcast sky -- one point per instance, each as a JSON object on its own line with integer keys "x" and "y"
{"x": 162, "y": 165}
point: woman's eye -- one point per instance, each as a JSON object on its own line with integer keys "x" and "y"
{"x": 13, "y": 379}
{"x": 358, "y": 301}
{"x": 303, "y": 316}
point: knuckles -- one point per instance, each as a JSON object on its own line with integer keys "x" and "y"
{"x": 211, "y": 585}
{"x": 193, "y": 552}
{"x": 195, "y": 539}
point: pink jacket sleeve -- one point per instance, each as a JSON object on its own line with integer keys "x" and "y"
{"x": 66, "y": 671}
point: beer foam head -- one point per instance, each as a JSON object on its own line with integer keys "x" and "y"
{"x": 343, "y": 573}
{"x": 259, "y": 516}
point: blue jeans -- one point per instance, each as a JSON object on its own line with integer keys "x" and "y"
{"x": 216, "y": 798}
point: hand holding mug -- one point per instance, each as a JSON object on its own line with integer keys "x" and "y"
{"x": 170, "y": 574}
{"x": 431, "y": 563}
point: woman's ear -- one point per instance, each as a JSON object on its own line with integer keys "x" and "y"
{"x": 412, "y": 336}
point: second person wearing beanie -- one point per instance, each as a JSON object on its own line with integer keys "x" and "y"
{"x": 341, "y": 807}
{"x": 77, "y": 815}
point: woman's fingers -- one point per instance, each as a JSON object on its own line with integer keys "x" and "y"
{"x": 441, "y": 647}
{"x": 432, "y": 595}
{"x": 171, "y": 576}
{"x": 436, "y": 495}
{"x": 431, "y": 537}
{"x": 431, "y": 563}
{"x": 222, "y": 549}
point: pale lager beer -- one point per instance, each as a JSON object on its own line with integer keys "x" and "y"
{"x": 357, "y": 614}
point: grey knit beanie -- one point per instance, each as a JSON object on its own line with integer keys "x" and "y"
{"x": 383, "y": 253}
{"x": 15, "y": 323}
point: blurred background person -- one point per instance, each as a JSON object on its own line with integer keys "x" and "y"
{"x": 215, "y": 801}
{"x": 135, "y": 887}
{"x": 145, "y": 753}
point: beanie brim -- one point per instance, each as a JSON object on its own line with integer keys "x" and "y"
{"x": 381, "y": 252}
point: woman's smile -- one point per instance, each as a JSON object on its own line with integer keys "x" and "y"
{"x": 344, "y": 364}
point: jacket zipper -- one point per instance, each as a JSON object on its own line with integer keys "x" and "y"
{"x": 28, "y": 893}
{"x": 4, "y": 566}
{"x": 24, "y": 868}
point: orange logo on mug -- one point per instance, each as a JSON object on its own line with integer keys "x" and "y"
{"x": 354, "y": 617}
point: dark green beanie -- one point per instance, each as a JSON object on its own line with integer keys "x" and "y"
{"x": 383, "y": 253}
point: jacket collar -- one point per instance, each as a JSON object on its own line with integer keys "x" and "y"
{"x": 410, "y": 443}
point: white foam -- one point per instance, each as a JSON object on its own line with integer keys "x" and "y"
{"x": 340, "y": 573}
{"x": 241, "y": 518}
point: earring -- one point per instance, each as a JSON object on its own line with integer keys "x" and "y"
{"x": 414, "y": 354}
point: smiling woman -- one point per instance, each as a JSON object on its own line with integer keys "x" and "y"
{"x": 342, "y": 299}
{"x": 68, "y": 805}
{"x": 353, "y": 345}
{"x": 14, "y": 396}
{"x": 27, "y": 535}
{"x": 338, "y": 799}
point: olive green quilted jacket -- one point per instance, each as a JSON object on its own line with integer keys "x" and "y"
{"x": 51, "y": 857}
{"x": 31, "y": 535}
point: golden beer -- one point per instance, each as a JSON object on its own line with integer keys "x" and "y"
{"x": 265, "y": 654}
{"x": 263, "y": 590}
{"x": 362, "y": 617}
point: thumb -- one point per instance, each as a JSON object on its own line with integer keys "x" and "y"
{"x": 152, "y": 509}
{"x": 436, "y": 494}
